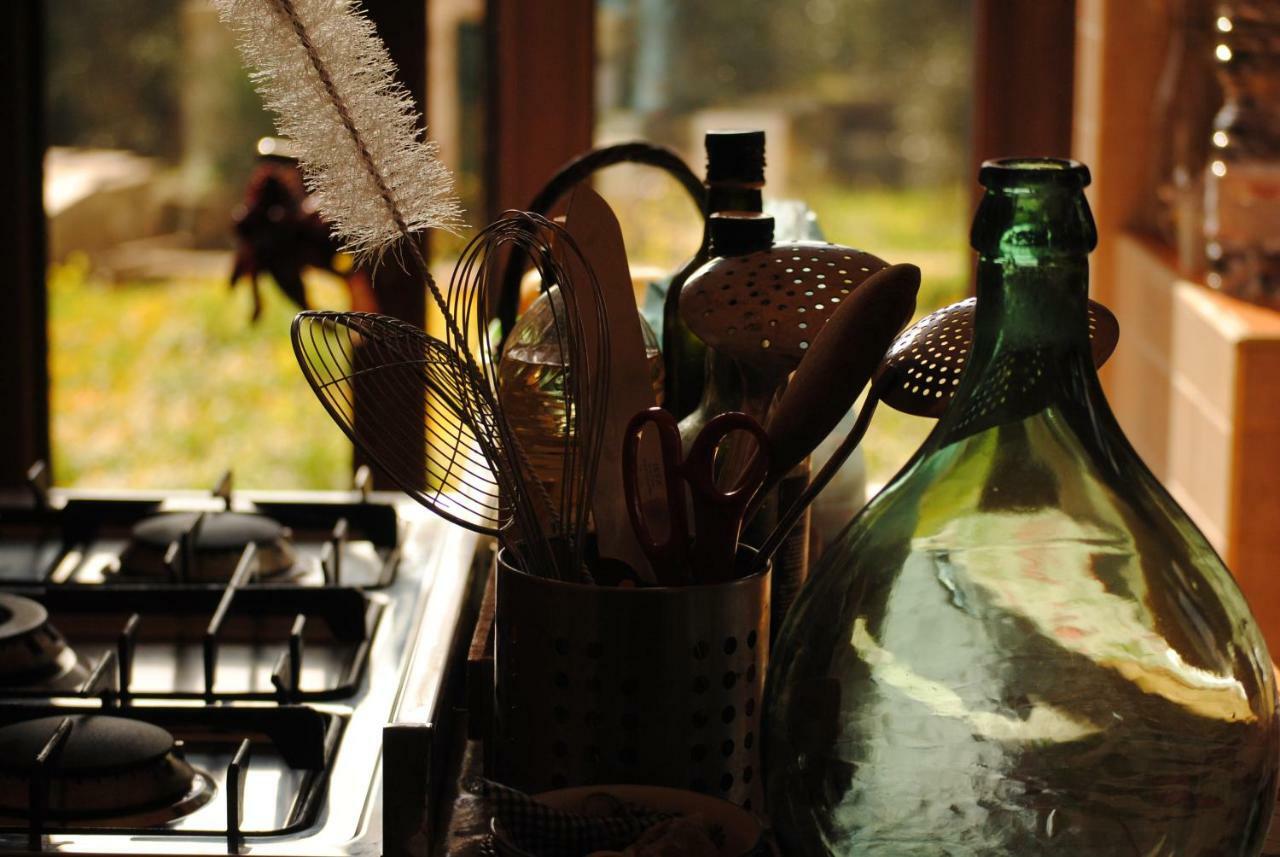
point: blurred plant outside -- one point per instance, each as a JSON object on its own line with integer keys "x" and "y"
{"x": 166, "y": 385}
{"x": 158, "y": 379}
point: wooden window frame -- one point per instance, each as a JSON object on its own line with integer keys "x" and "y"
{"x": 24, "y": 348}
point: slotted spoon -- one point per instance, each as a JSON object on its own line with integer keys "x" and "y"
{"x": 922, "y": 369}
{"x": 764, "y": 309}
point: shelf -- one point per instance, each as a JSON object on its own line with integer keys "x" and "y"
{"x": 1196, "y": 385}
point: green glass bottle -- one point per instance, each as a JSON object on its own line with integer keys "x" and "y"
{"x": 1022, "y": 646}
{"x": 735, "y": 181}
{"x": 728, "y": 235}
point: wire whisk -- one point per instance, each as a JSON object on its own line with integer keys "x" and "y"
{"x": 579, "y": 393}
{"x": 463, "y": 458}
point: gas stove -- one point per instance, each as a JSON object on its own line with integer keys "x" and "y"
{"x": 257, "y": 672}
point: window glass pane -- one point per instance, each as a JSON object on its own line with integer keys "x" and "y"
{"x": 866, "y": 107}
{"x": 160, "y": 375}
{"x": 455, "y": 100}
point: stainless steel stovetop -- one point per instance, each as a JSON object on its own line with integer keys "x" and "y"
{"x": 304, "y": 711}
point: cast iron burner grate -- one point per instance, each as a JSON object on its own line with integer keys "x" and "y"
{"x": 97, "y": 770}
{"x": 137, "y": 539}
{"x": 157, "y": 771}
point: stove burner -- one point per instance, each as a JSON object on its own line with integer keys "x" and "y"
{"x": 110, "y": 767}
{"x": 32, "y": 652}
{"x": 223, "y": 537}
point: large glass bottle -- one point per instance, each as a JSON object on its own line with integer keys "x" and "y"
{"x": 1022, "y": 646}
{"x": 531, "y": 379}
{"x": 735, "y": 179}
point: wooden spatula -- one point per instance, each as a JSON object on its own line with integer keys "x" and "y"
{"x": 840, "y": 363}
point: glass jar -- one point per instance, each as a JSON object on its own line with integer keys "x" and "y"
{"x": 1242, "y": 182}
{"x": 1023, "y": 645}
{"x": 1186, "y": 98}
{"x": 531, "y": 377}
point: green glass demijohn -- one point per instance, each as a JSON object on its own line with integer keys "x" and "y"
{"x": 1022, "y": 646}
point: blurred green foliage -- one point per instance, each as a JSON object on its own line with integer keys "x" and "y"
{"x": 167, "y": 385}
{"x": 875, "y": 90}
{"x": 112, "y": 80}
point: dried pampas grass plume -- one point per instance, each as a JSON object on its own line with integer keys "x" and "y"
{"x": 323, "y": 71}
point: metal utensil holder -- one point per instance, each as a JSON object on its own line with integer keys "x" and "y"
{"x": 654, "y": 685}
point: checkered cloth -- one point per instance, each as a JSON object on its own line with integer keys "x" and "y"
{"x": 546, "y": 832}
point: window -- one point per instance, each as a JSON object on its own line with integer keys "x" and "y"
{"x": 868, "y": 125}
{"x": 159, "y": 377}
{"x": 531, "y": 124}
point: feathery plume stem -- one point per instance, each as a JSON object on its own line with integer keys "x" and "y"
{"x": 344, "y": 114}
{"x": 323, "y": 71}
{"x": 327, "y": 76}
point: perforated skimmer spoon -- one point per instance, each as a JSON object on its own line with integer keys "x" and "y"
{"x": 764, "y": 307}
{"x": 920, "y": 373}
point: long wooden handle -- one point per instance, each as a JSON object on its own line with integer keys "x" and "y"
{"x": 595, "y": 229}
{"x": 841, "y": 362}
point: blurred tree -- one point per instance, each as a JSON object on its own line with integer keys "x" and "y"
{"x": 160, "y": 78}
{"x": 111, "y": 78}
{"x": 912, "y": 58}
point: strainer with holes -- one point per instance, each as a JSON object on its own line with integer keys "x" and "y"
{"x": 922, "y": 369}
{"x": 762, "y": 305}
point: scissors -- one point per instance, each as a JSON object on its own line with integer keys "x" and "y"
{"x": 707, "y": 554}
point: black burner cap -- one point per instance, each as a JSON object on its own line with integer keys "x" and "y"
{"x": 20, "y": 616}
{"x": 97, "y": 744}
{"x": 221, "y": 531}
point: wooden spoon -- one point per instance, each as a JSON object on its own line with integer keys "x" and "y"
{"x": 841, "y": 362}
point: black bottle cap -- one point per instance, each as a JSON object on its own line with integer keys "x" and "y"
{"x": 735, "y": 156}
{"x": 740, "y": 233}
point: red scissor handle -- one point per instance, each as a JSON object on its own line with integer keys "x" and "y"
{"x": 718, "y": 513}
{"x": 669, "y": 556}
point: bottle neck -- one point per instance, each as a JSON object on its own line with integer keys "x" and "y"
{"x": 734, "y": 196}
{"x": 1030, "y": 346}
{"x": 721, "y": 392}
{"x": 1041, "y": 307}
{"x": 1033, "y": 232}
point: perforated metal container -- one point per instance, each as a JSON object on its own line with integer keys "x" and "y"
{"x": 655, "y": 686}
